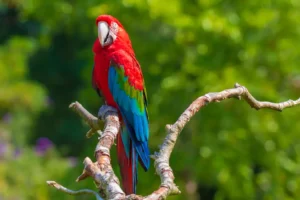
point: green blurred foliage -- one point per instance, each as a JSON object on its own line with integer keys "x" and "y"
{"x": 186, "y": 49}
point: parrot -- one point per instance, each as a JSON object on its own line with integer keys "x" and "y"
{"x": 117, "y": 77}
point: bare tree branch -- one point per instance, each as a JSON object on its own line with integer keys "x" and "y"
{"x": 102, "y": 172}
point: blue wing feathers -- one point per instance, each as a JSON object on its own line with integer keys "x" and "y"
{"x": 140, "y": 146}
{"x": 145, "y": 124}
{"x": 126, "y": 140}
{"x": 136, "y": 121}
{"x": 138, "y": 126}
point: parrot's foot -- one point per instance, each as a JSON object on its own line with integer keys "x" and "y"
{"x": 104, "y": 110}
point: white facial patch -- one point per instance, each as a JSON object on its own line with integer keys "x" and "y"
{"x": 114, "y": 30}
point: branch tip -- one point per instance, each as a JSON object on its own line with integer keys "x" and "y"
{"x": 87, "y": 161}
{"x": 52, "y": 183}
{"x": 71, "y": 105}
{"x": 236, "y": 85}
{"x": 83, "y": 176}
{"x": 90, "y": 133}
{"x": 168, "y": 127}
{"x": 153, "y": 157}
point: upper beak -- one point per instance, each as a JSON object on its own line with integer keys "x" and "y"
{"x": 103, "y": 30}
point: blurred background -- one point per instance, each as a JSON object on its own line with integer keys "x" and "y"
{"x": 228, "y": 151}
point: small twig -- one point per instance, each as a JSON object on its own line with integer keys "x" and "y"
{"x": 90, "y": 119}
{"x": 72, "y": 192}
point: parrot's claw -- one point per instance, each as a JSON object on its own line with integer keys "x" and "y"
{"x": 104, "y": 109}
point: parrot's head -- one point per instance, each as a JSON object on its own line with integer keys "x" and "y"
{"x": 111, "y": 31}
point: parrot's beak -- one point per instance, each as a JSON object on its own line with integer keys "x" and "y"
{"x": 103, "y": 32}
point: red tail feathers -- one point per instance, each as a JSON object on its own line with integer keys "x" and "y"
{"x": 127, "y": 167}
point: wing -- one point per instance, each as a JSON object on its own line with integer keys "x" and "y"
{"x": 126, "y": 85}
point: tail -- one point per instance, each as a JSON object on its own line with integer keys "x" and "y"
{"x": 127, "y": 157}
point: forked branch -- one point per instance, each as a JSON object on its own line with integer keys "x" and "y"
{"x": 102, "y": 172}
